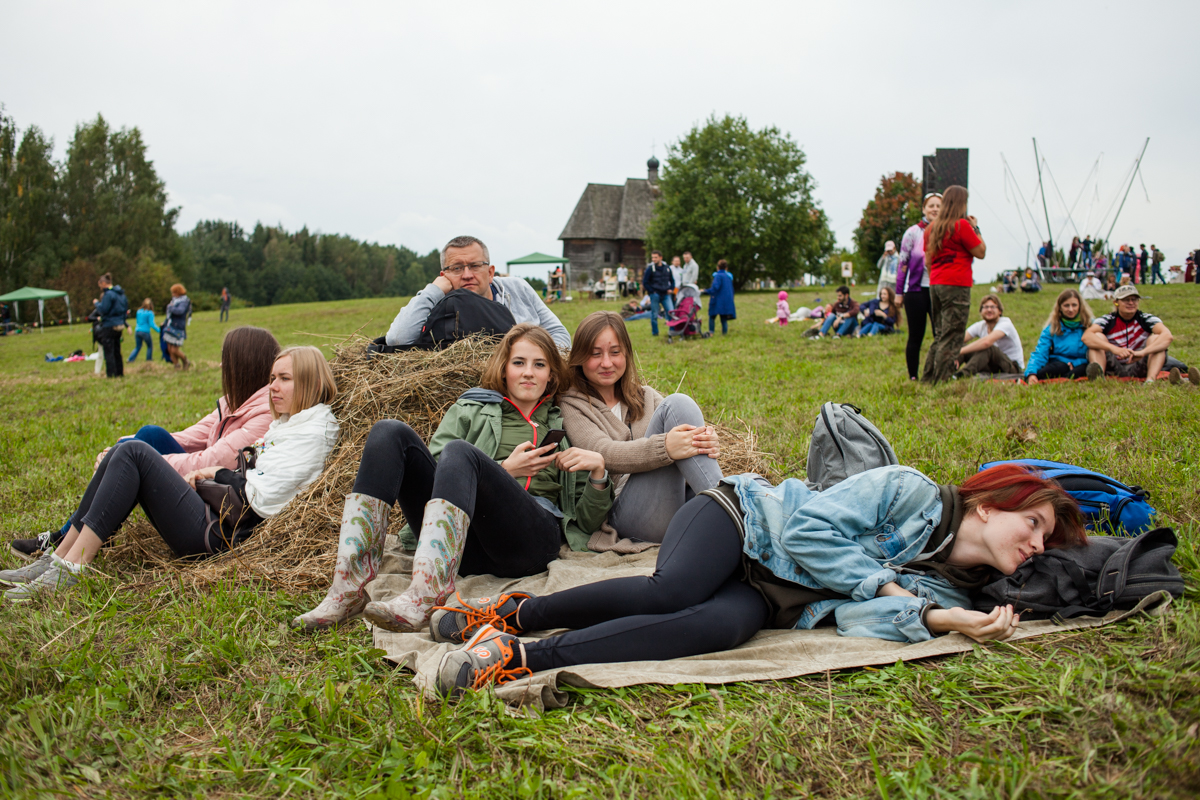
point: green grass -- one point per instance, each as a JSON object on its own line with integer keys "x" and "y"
{"x": 134, "y": 686}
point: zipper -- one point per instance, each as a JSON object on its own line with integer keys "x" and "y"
{"x": 533, "y": 425}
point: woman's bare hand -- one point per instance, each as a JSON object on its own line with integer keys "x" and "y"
{"x": 574, "y": 459}
{"x": 100, "y": 458}
{"x": 685, "y": 441}
{"x": 525, "y": 461}
{"x": 705, "y": 441}
{"x": 204, "y": 474}
{"x": 996, "y": 626}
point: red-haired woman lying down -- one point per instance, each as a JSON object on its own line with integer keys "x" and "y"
{"x": 887, "y": 553}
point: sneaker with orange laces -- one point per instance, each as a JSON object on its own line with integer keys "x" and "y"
{"x": 485, "y": 659}
{"x": 456, "y": 625}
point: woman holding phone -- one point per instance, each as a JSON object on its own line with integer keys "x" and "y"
{"x": 952, "y": 243}
{"x": 497, "y": 491}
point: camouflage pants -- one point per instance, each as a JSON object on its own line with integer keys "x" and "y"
{"x": 950, "y": 307}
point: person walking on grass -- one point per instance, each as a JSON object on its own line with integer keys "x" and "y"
{"x": 952, "y": 243}
{"x": 659, "y": 284}
{"x": 1060, "y": 351}
{"x": 912, "y": 283}
{"x": 175, "y": 328}
{"x": 721, "y": 292}
{"x": 141, "y": 335}
{"x": 747, "y": 556}
{"x": 290, "y": 456}
{"x": 1156, "y": 259}
{"x": 110, "y": 324}
{"x": 226, "y": 299}
{"x": 991, "y": 345}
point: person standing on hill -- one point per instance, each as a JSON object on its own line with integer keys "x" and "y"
{"x": 141, "y": 335}
{"x": 623, "y": 280}
{"x": 226, "y": 299}
{"x": 912, "y": 282}
{"x": 952, "y": 243}
{"x": 1156, "y": 259}
{"x": 110, "y": 314}
{"x": 658, "y": 283}
{"x": 889, "y": 265}
{"x": 175, "y": 328}
{"x": 721, "y": 292}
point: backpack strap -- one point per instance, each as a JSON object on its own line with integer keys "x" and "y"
{"x": 1110, "y": 584}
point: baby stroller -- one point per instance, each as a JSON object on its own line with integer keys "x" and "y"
{"x": 685, "y": 321}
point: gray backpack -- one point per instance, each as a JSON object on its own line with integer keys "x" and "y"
{"x": 844, "y": 443}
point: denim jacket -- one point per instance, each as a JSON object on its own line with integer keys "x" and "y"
{"x": 852, "y": 538}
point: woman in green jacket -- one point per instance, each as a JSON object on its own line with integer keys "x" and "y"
{"x": 486, "y": 497}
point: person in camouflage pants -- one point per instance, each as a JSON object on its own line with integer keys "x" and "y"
{"x": 950, "y": 308}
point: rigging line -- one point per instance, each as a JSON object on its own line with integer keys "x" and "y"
{"x": 1128, "y": 175}
{"x": 1061, "y": 200}
{"x": 1020, "y": 219}
{"x": 1096, "y": 194}
{"x": 1021, "y": 194}
{"x": 1142, "y": 178}
{"x": 1082, "y": 189}
{"x": 997, "y": 216}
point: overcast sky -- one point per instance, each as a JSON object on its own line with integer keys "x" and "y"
{"x": 410, "y": 124}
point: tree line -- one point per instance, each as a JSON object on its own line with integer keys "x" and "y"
{"x": 104, "y": 208}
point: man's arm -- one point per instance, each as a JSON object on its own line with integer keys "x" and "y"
{"x": 545, "y": 317}
{"x": 406, "y": 327}
{"x": 982, "y": 343}
{"x": 1160, "y": 339}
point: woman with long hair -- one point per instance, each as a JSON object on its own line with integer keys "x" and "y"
{"x": 912, "y": 282}
{"x": 486, "y": 496}
{"x": 241, "y": 417}
{"x": 659, "y": 451}
{"x": 141, "y": 335}
{"x": 952, "y": 243}
{"x": 1060, "y": 351}
{"x": 290, "y": 456}
{"x": 888, "y": 552}
{"x": 175, "y": 327}
{"x": 880, "y": 314}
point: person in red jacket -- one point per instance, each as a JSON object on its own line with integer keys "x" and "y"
{"x": 952, "y": 243}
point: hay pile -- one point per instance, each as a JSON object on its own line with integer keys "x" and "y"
{"x": 295, "y": 549}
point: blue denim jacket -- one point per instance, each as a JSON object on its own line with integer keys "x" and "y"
{"x": 852, "y": 538}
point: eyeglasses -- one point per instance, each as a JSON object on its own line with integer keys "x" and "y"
{"x": 457, "y": 269}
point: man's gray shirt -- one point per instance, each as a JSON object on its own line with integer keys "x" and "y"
{"x": 513, "y": 293}
{"x": 691, "y": 273}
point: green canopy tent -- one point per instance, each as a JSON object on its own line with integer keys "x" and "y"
{"x": 41, "y": 295}
{"x": 542, "y": 258}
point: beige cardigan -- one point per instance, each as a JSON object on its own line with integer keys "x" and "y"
{"x": 626, "y": 449}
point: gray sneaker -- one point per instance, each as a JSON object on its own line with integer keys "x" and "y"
{"x": 26, "y": 574}
{"x": 52, "y": 580}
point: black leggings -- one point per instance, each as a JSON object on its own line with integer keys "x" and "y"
{"x": 694, "y": 603}
{"x": 916, "y": 309}
{"x": 511, "y": 534}
{"x": 134, "y": 473}
{"x": 1061, "y": 369}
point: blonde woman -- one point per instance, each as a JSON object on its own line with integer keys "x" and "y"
{"x": 1060, "y": 351}
{"x": 290, "y": 456}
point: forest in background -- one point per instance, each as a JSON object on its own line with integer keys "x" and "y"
{"x": 103, "y": 208}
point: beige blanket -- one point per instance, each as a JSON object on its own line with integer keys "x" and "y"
{"x": 770, "y": 655}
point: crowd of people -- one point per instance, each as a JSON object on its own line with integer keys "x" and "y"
{"x": 552, "y": 450}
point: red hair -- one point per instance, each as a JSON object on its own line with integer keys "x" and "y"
{"x": 1015, "y": 487}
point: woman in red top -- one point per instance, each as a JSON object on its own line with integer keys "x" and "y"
{"x": 952, "y": 243}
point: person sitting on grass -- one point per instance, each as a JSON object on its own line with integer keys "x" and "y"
{"x": 1129, "y": 343}
{"x": 659, "y": 450}
{"x": 991, "y": 345}
{"x": 290, "y": 456}
{"x": 242, "y": 415}
{"x": 485, "y": 497}
{"x": 880, "y": 314}
{"x": 844, "y": 315}
{"x": 465, "y": 264}
{"x": 1060, "y": 351}
{"x": 749, "y": 555}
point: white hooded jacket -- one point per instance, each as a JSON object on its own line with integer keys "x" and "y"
{"x": 291, "y": 455}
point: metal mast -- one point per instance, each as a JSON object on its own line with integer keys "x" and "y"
{"x": 1136, "y": 166}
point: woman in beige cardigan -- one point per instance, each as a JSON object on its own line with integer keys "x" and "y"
{"x": 658, "y": 450}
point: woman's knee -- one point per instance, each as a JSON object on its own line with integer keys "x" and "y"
{"x": 388, "y": 433}
{"x": 682, "y": 408}
{"x": 459, "y": 452}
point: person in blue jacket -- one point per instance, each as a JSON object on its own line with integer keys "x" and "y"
{"x": 887, "y": 554}
{"x": 658, "y": 283}
{"x": 1060, "y": 351}
{"x": 110, "y": 313}
{"x": 722, "y": 297}
{"x": 141, "y": 335}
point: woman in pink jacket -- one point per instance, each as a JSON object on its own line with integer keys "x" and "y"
{"x": 215, "y": 441}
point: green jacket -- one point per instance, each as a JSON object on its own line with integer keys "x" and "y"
{"x": 475, "y": 418}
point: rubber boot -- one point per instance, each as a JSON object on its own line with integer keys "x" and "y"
{"x": 360, "y": 550}
{"x": 435, "y": 566}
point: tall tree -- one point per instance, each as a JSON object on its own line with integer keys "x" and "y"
{"x": 895, "y": 207}
{"x": 113, "y": 195}
{"x": 742, "y": 195}
{"x": 31, "y": 223}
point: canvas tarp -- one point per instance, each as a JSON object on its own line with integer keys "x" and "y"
{"x": 770, "y": 655}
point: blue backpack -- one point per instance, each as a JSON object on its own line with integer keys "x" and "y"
{"x": 1110, "y": 506}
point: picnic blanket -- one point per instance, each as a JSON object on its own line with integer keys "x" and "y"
{"x": 769, "y": 655}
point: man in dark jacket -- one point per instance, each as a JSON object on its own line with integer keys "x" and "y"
{"x": 658, "y": 283}
{"x": 111, "y": 312}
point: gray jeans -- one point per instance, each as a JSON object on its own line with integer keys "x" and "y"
{"x": 649, "y": 500}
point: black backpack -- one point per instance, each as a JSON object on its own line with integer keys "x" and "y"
{"x": 1109, "y": 573}
{"x": 459, "y": 314}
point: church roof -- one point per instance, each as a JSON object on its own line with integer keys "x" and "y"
{"x": 612, "y": 211}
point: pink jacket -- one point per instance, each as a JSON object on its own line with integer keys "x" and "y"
{"x": 217, "y": 439}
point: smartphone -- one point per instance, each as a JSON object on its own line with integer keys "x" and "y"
{"x": 552, "y": 437}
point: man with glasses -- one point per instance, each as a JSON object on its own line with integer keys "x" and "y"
{"x": 1129, "y": 343}
{"x": 466, "y": 265}
{"x": 992, "y": 345}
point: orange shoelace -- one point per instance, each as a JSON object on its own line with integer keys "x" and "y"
{"x": 478, "y": 617}
{"x": 497, "y": 673}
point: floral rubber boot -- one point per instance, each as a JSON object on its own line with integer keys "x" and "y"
{"x": 360, "y": 551}
{"x": 435, "y": 566}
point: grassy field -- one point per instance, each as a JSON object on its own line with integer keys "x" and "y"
{"x": 136, "y": 687}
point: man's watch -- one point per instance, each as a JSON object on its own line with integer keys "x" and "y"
{"x": 599, "y": 484}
